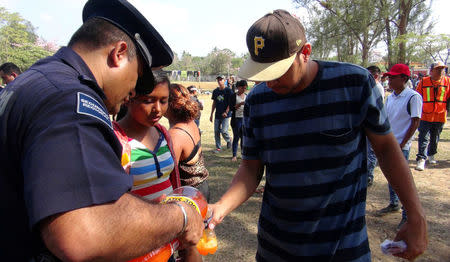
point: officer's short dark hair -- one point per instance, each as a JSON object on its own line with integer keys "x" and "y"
{"x": 96, "y": 33}
{"x": 8, "y": 68}
{"x": 374, "y": 69}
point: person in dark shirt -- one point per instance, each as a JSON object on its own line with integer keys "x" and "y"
{"x": 306, "y": 125}
{"x": 66, "y": 196}
{"x": 221, "y": 105}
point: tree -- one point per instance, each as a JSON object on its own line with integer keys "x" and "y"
{"x": 351, "y": 26}
{"x": 219, "y": 61}
{"x": 429, "y": 48}
{"x": 403, "y": 20}
{"x": 18, "y": 41}
{"x": 348, "y": 28}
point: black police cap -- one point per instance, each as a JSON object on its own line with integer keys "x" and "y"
{"x": 152, "y": 47}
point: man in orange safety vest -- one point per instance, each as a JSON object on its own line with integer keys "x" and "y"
{"x": 435, "y": 92}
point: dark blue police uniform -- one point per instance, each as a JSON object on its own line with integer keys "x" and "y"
{"x": 58, "y": 151}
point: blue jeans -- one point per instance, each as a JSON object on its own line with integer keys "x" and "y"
{"x": 429, "y": 133}
{"x": 371, "y": 160}
{"x": 221, "y": 127}
{"x": 237, "y": 134}
{"x": 393, "y": 198}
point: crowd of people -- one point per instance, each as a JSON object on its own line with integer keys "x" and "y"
{"x": 78, "y": 186}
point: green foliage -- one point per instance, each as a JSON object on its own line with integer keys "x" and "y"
{"x": 346, "y": 29}
{"x": 350, "y": 30}
{"x": 18, "y": 41}
{"x": 218, "y": 61}
{"x": 427, "y": 48}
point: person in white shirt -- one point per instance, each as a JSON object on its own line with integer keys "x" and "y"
{"x": 237, "y": 106}
{"x": 404, "y": 109}
{"x": 371, "y": 157}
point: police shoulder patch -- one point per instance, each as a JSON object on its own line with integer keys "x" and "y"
{"x": 87, "y": 105}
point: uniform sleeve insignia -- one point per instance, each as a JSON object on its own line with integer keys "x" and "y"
{"x": 87, "y": 105}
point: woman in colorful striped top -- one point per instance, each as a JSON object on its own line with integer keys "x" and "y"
{"x": 151, "y": 160}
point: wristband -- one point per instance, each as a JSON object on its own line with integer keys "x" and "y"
{"x": 184, "y": 217}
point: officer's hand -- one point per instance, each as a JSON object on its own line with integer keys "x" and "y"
{"x": 210, "y": 118}
{"x": 158, "y": 199}
{"x": 218, "y": 215}
{"x": 194, "y": 227}
{"x": 414, "y": 233}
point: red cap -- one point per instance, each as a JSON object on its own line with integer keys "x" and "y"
{"x": 398, "y": 69}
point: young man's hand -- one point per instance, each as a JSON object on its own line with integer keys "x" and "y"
{"x": 414, "y": 233}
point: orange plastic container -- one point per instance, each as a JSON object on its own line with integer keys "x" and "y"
{"x": 190, "y": 195}
{"x": 161, "y": 254}
{"x": 208, "y": 243}
{"x": 193, "y": 197}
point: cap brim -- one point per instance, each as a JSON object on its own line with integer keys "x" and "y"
{"x": 391, "y": 74}
{"x": 255, "y": 71}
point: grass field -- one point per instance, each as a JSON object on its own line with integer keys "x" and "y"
{"x": 237, "y": 233}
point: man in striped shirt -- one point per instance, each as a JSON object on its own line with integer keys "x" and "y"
{"x": 307, "y": 124}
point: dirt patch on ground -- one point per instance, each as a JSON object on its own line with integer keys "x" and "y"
{"x": 434, "y": 189}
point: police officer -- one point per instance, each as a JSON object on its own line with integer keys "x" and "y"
{"x": 63, "y": 189}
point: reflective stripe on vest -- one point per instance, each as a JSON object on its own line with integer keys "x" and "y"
{"x": 439, "y": 93}
{"x": 442, "y": 93}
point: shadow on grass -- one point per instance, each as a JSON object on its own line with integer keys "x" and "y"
{"x": 237, "y": 233}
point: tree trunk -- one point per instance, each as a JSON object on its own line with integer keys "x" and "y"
{"x": 389, "y": 43}
{"x": 405, "y": 9}
{"x": 365, "y": 55}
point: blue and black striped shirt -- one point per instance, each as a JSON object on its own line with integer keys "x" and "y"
{"x": 313, "y": 146}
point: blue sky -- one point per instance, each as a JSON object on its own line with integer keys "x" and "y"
{"x": 195, "y": 26}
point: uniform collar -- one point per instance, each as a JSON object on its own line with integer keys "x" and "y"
{"x": 71, "y": 58}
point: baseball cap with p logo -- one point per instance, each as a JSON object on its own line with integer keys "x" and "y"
{"x": 273, "y": 42}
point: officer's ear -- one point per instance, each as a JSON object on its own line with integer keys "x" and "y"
{"x": 118, "y": 53}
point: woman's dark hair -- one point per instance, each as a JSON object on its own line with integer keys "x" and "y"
{"x": 159, "y": 77}
{"x": 241, "y": 83}
{"x": 181, "y": 107}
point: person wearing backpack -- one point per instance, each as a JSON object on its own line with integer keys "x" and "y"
{"x": 404, "y": 108}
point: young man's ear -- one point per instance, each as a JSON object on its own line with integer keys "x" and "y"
{"x": 306, "y": 51}
{"x": 13, "y": 74}
{"x": 118, "y": 53}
